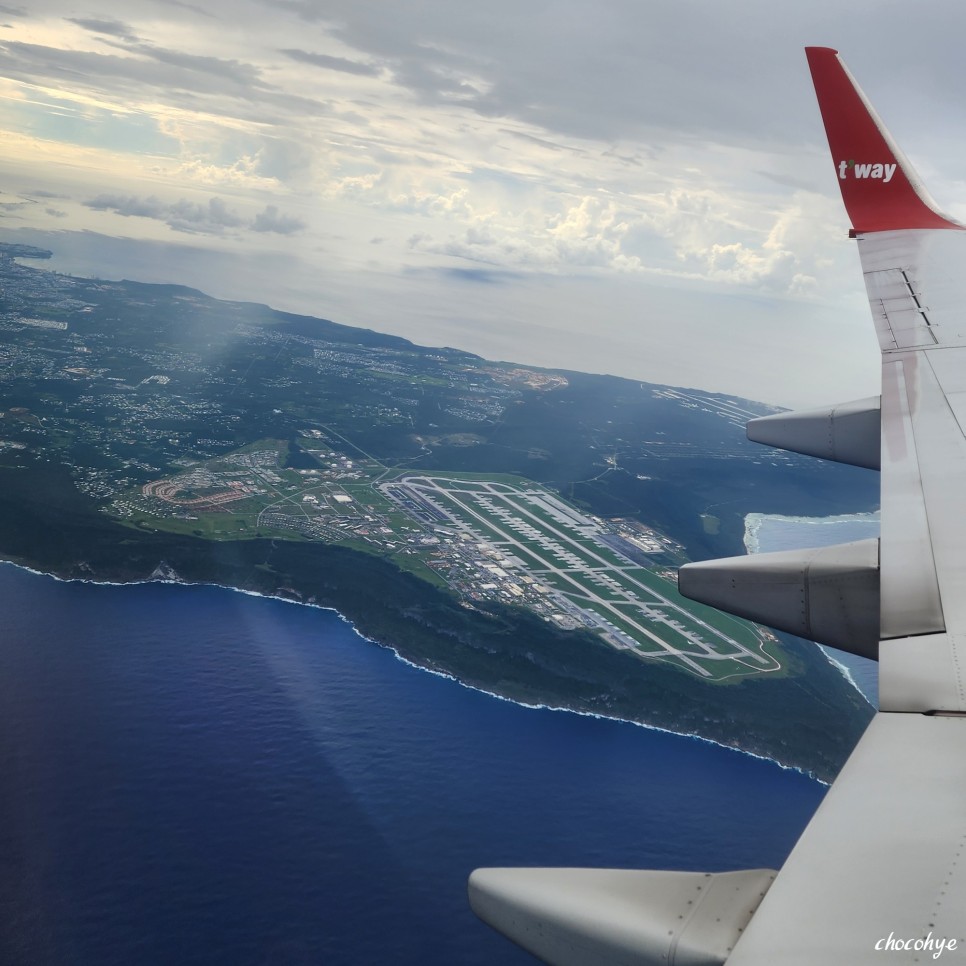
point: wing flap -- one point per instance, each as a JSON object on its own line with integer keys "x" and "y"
{"x": 910, "y": 601}
{"x": 900, "y": 319}
{"x": 620, "y": 917}
{"x": 914, "y": 283}
{"x": 924, "y": 674}
{"x": 884, "y": 855}
{"x": 923, "y": 483}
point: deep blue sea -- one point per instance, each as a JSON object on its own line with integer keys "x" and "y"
{"x": 195, "y": 776}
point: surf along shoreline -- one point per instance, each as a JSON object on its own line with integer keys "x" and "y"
{"x": 168, "y": 576}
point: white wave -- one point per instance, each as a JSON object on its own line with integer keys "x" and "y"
{"x": 420, "y": 667}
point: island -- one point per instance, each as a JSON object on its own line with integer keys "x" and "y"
{"x": 516, "y": 528}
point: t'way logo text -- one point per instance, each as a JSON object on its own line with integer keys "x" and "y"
{"x": 883, "y": 172}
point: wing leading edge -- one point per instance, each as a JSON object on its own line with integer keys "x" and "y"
{"x": 881, "y": 868}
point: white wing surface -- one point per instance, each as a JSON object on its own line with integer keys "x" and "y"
{"x": 879, "y": 874}
{"x": 881, "y": 869}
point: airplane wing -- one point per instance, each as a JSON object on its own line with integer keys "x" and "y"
{"x": 880, "y": 871}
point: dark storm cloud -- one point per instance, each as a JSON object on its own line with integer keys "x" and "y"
{"x": 332, "y": 63}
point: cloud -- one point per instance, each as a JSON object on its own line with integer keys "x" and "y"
{"x": 213, "y": 218}
{"x": 171, "y": 69}
{"x": 129, "y": 206}
{"x": 332, "y": 63}
{"x": 584, "y": 233}
{"x": 183, "y": 215}
{"x": 605, "y": 142}
{"x": 161, "y": 78}
{"x": 283, "y": 158}
{"x": 244, "y": 75}
{"x": 271, "y": 220}
{"x": 478, "y": 276}
{"x": 620, "y": 69}
{"x": 112, "y": 28}
{"x": 305, "y": 9}
{"x": 191, "y": 7}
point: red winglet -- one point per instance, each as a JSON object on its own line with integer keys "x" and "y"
{"x": 879, "y": 187}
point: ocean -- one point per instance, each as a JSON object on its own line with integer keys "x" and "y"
{"x": 192, "y": 775}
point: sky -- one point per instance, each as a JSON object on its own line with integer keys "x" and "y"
{"x": 637, "y": 188}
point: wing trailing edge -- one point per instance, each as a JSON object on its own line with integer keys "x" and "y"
{"x": 619, "y": 917}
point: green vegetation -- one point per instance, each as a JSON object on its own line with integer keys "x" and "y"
{"x": 149, "y": 430}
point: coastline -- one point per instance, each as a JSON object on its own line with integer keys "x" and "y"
{"x": 755, "y": 521}
{"x": 843, "y": 668}
{"x": 416, "y": 665}
{"x": 809, "y": 532}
